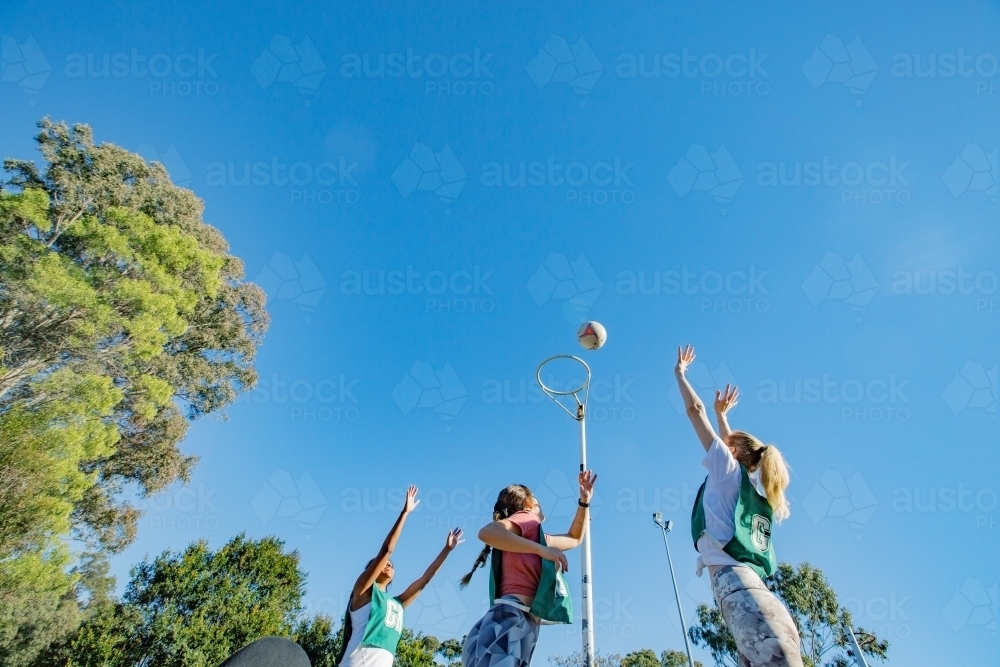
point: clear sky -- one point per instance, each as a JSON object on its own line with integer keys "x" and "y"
{"x": 434, "y": 198}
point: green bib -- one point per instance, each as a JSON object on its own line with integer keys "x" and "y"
{"x": 552, "y": 602}
{"x": 385, "y": 621}
{"x": 751, "y": 543}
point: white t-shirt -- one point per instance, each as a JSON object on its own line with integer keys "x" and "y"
{"x": 722, "y": 490}
{"x": 357, "y": 655}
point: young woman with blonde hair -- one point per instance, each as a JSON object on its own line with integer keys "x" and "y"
{"x": 526, "y": 583}
{"x": 742, "y": 497}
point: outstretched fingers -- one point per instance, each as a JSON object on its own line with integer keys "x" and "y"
{"x": 455, "y": 537}
{"x": 411, "y": 498}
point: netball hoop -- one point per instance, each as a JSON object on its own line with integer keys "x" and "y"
{"x": 580, "y": 415}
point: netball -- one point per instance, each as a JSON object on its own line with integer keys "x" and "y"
{"x": 592, "y": 335}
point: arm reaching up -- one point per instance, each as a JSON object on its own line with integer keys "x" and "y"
{"x": 413, "y": 590}
{"x": 368, "y": 577}
{"x": 572, "y": 538}
{"x": 724, "y": 402}
{"x": 693, "y": 405}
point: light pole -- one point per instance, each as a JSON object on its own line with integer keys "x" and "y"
{"x": 580, "y": 415}
{"x": 666, "y": 527}
{"x": 859, "y": 657}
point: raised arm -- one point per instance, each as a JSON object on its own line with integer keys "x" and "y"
{"x": 572, "y": 538}
{"x": 693, "y": 405}
{"x": 371, "y": 572}
{"x": 724, "y": 402}
{"x": 413, "y": 590}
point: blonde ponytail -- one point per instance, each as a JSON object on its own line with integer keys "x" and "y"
{"x": 774, "y": 472}
{"x": 774, "y": 477}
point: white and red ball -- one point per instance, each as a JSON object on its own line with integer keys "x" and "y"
{"x": 592, "y": 335}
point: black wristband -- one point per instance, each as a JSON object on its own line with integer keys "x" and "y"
{"x": 582, "y": 504}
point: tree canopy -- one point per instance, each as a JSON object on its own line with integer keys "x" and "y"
{"x": 122, "y": 317}
{"x": 196, "y": 607}
{"x": 813, "y": 605}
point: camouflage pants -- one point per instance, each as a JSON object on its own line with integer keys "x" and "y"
{"x": 504, "y": 637}
{"x": 763, "y": 629}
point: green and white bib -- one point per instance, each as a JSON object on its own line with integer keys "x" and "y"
{"x": 552, "y": 603}
{"x": 385, "y": 622}
{"x": 751, "y": 542}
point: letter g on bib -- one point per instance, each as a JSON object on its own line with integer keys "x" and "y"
{"x": 760, "y": 532}
{"x": 394, "y": 615}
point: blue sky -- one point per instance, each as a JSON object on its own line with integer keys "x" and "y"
{"x": 798, "y": 192}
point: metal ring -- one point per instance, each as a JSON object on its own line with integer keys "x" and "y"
{"x": 547, "y": 390}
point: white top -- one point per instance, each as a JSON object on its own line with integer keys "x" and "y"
{"x": 357, "y": 655}
{"x": 722, "y": 490}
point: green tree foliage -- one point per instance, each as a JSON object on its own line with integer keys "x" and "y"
{"x": 712, "y": 633}
{"x": 420, "y": 650}
{"x": 820, "y": 619}
{"x": 641, "y": 658}
{"x": 672, "y": 658}
{"x": 109, "y": 274}
{"x": 320, "y": 642}
{"x": 577, "y": 659}
{"x": 197, "y": 607}
{"x": 122, "y": 316}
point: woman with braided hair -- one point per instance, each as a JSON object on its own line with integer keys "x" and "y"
{"x": 742, "y": 497}
{"x": 527, "y": 587}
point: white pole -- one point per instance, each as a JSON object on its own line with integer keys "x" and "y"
{"x": 677, "y": 595}
{"x": 587, "y": 575}
{"x": 859, "y": 657}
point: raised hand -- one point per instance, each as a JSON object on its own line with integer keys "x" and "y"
{"x": 411, "y": 500}
{"x": 726, "y": 400}
{"x": 454, "y": 539}
{"x": 587, "y": 480}
{"x": 685, "y": 356}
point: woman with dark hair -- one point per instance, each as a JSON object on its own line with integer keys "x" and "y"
{"x": 526, "y": 583}
{"x": 373, "y": 623}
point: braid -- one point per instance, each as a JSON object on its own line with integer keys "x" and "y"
{"x": 480, "y": 561}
